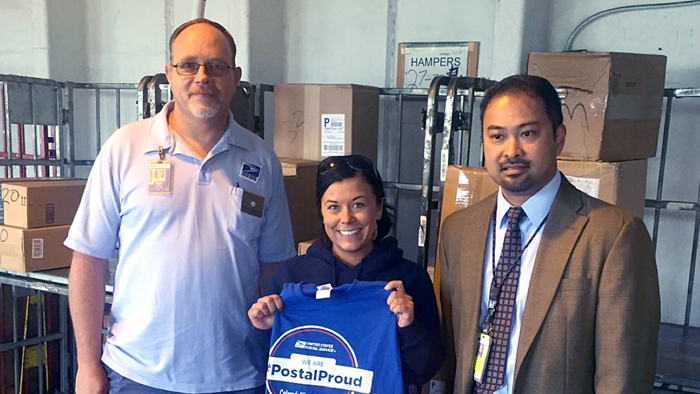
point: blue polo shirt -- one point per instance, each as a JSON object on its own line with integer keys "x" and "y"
{"x": 188, "y": 261}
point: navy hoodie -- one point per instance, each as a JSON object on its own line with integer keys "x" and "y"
{"x": 422, "y": 349}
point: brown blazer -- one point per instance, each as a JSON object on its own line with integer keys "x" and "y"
{"x": 591, "y": 318}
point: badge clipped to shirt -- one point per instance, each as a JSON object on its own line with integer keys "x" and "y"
{"x": 482, "y": 356}
{"x": 160, "y": 175}
{"x": 252, "y": 204}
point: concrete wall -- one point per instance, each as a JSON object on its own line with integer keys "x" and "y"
{"x": 24, "y": 46}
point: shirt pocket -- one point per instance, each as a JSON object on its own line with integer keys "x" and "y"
{"x": 240, "y": 224}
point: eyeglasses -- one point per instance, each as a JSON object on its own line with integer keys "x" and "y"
{"x": 214, "y": 69}
{"x": 354, "y": 162}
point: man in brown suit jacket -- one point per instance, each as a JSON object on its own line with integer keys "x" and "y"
{"x": 589, "y": 316}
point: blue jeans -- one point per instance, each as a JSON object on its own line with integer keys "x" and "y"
{"x": 121, "y": 385}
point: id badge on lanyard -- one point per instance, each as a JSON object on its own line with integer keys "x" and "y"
{"x": 160, "y": 175}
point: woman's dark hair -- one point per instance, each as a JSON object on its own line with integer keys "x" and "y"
{"x": 338, "y": 168}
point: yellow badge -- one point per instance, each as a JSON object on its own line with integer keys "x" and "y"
{"x": 482, "y": 357}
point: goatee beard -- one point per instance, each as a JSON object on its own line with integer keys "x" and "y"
{"x": 517, "y": 185}
{"x": 205, "y": 112}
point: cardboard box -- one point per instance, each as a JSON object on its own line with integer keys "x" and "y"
{"x": 303, "y": 246}
{"x": 612, "y": 107}
{"x": 464, "y": 186}
{"x": 300, "y": 184}
{"x": 3, "y": 180}
{"x": 41, "y": 203}
{"x": 317, "y": 121}
{"x": 34, "y": 249}
{"x": 620, "y": 183}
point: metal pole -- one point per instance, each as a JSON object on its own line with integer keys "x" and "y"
{"x": 119, "y": 108}
{"x": 142, "y": 106}
{"x": 98, "y": 131}
{"x": 397, "y": 193}
{"x": 469, "y": 118}
{"x": 40, "y": 335}
{"x": 428, "y": 162}
{"x": 63, "y": 311}
{"x": 5, "y": 123}
{"x": 34, "y": 133}
{"x": 15, "y": 339}
{"x": 662, "y": 168}
{"x": 398, "y": 155}
{"x": 459, "y": 137}
{"x": 693, "y": 262}
{"x": 447, "y": 127}
{"x": 8, "y": 130}
{"x": 198, "y": 9}
{"x": 71, "y": 128}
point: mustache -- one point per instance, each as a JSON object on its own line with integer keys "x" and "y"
{"x": 517, "y": 161}
{"x": 202, "y": 91}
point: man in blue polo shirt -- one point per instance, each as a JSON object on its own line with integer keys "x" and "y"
{"x": 198, "y": 206}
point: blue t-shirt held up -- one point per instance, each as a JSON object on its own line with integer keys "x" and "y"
{"x": 344, "y": 343}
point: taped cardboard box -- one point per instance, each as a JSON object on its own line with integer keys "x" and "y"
{"x": 40, "y": 203}
{"x": 316, "y": 121}
{"x": 612, "y": 103}
{"x": 33, "y": 249}
{"x": 300, "y": 184}
{"x": 464, "y": 186}
{"x": 3, "y": 180}
{"x": 620, "y": 183}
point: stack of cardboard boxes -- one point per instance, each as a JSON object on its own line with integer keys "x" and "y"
{"x": 37, "y": 216}
{"x": 313, "y": 122}
{"x": 612, "y": 110}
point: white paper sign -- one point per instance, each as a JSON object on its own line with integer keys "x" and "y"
{"x": 332, "y": 135}
{"x": 422, "y": 67}
{"x": 37, "y": 248}
{"x": 590, "y": 186}
{"x": 420, "y": 62}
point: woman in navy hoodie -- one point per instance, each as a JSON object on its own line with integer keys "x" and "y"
{"x": 355, "y": 245}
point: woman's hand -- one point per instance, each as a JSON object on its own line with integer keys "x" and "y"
{"x": 262, "y": 313}
{"x": 400, "y": 303}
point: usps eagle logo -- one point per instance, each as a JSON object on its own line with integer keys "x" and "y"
{"x": 250, "y": 172}
{"x": 317, "y": 360}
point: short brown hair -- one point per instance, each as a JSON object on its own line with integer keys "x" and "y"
{"x": 222, "y": 29}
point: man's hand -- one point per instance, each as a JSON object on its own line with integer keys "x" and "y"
{"x": 262, "y": 313}
{"x": 91, "y": 379}
{"x": 400, "y": 303}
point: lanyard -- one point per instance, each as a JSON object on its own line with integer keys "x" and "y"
{"x": 495, "y": 285}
